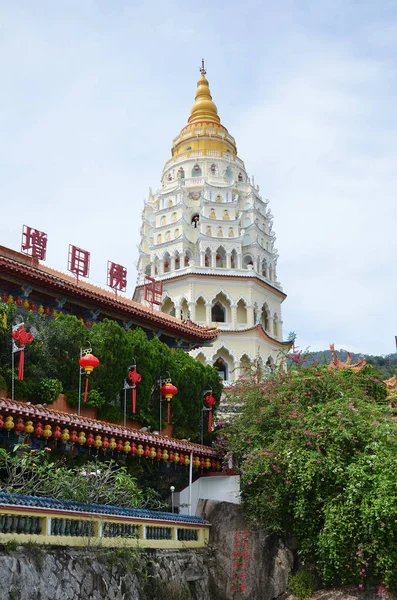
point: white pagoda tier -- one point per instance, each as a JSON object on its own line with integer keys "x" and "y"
{"x": 207, "y": 235}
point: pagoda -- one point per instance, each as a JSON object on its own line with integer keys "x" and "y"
{"x": 207, "y": 235}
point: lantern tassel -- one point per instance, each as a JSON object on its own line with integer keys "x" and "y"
{"x": 210, "y": 421}
{"x": 21, "y": 365}
{"x": 168, "y": 413}
{"x": 133, "y": 400}
{"x": 86, "y": 389}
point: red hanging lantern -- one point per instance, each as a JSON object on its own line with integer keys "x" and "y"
{"x": 159, "y": 454}
{"x": 171, "y": 456}
{"x": 168, "y": 391}
{"x": 134, "y": 449}
{"x": 202, "y": 463}
{"x": 181, "y": 459}
{"x": 119, "y": 445}
{"x": 105, "y": 443}
{"x": 57, "y": 432}
{"x": 211, "y": 401}
{"x": 23, "y": 337}
{"x": 19, "y": 426}
{"x": 90, "y": 440}
{"x": 135, "y": 378}
{"x": 73, "y": 436}
{"x": 88, "y": 362}
{"x": 38, "y": 430}
{"x": 146, "y": 452}
{"x": 1, "y": 422}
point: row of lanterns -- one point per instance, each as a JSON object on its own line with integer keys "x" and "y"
{"x": 48, "y": 311}
{"x": 98, "y": 442}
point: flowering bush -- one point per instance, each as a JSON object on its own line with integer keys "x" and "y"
{"x": 318, "y": 458}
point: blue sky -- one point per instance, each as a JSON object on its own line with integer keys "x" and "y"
{"x": 94, "y": 91}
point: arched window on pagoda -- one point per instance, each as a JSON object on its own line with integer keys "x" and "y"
{"x": 220, "y": 309}
{"x": 184, "y": 308}
{"x": 187, "y": 258}
{"x": 201, "y": 313}
{"x": 233, "y": 259}
{"x": 196, "y": 171}
{"x": 222, "y": 367}
{"x": 241, "y": 312}
{"x": 221, "y": 257}
{"x": 265, "y": 317}
{"x": 167, "y": 262}
{"x": 247, "y": 261}
{"x": 168, "y": 307}
{"x": 218, "y": 313}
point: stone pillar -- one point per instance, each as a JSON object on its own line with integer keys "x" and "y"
{"x": 192, "y": 311}
{"x": 172, "y": 263}
{"x": 270, "y": 329}
{"x": 267, "y": 271}
{"x": 233, "y": 316}
{"x": 161, "y": 266}
{"x": 250, "y": 315}
{"x": 202, "y": 259}
{"x": 208, "y": 307}
{"x": 239, "y": 260}
{"x": 228, "y": 260}
{"x": 213, "y": 259}
{"x": 152, "y": 269}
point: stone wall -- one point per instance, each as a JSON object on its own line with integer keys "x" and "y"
{"x": 35, "y": 572}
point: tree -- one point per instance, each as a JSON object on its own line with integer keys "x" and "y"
{"x": 318, "y": 457}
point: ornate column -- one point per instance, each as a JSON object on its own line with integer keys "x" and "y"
{"x": 233, "y": 316}
{"x": 250, "y": 315}
{"x": 161, "y": 266}
{"x": 152, "y": 269}
{"x": 192, "y": 311}
{"x": 172, "y": 263}
{"x": 208, "y": 307}
{"x": 202, "y": 259}
{"x": 213, "y": 259}
{"x": 229, "y": 260}
{"x": 239, "y": 260}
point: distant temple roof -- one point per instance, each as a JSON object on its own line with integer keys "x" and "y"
{"x": 336, "y": 363}
{"x": 17, "y": 270}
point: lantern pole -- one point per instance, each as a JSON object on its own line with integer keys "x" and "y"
{"x": 161, "y": 382}
{"x": 14, "y": 349}
{"x": 125, "y": 388}
{"x": 190, "y": 482}
{"x": 81, "y": 371}
{"x": 203, "y": 410}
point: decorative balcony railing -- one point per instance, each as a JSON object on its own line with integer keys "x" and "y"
{"x": 26, "y": 519}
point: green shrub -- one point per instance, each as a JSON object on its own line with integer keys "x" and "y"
{"x": 301, "y": 584}
{"x": 48, "y": 389}
{"x": 95, "y": 398}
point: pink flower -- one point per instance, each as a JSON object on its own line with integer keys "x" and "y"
{"x": 360, "y": 586}
{"x": 249, "y": 482}
{"x": 309, "y": 443}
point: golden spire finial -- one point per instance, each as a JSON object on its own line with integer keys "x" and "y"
{"x": 204, "y": 109}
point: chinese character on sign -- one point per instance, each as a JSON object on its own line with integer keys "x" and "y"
{"x": 117, "y": 277}
{"x": 34, "y": 242}
{"x": 153, "y": 290}
{"x": 79, "y": 261}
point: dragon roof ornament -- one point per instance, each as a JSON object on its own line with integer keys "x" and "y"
{"x": 336, "y": 363}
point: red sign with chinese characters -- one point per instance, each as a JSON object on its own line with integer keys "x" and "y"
{"x": 34, "y": 242}
{"x": 117, "y": 277}
{"x": 79, "y": 261}
{"x": 153, "y": 290}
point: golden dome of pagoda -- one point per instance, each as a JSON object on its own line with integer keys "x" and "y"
{"x": 204, "y": 109}
{"x": 204, "y": 132}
